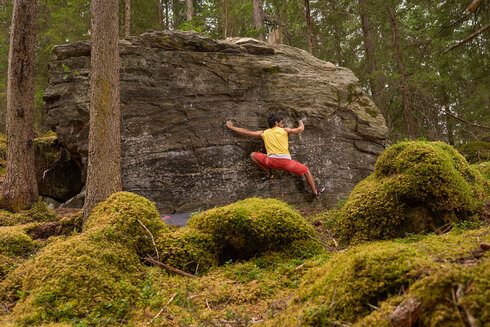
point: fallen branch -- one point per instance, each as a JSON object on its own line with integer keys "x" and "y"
{"x": 325, "y": 245}
{"x": 173, "y": 269}
{"x": 162, "y": 309}
{"x": 152, "y": 238}
{"x": 468, "y": 38}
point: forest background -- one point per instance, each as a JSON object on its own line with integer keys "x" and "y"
{"x": 397, "y": 48}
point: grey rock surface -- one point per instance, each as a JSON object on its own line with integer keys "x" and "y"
{"x": 177, "y": 91}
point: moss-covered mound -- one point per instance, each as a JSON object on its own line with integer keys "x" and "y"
{"x": 353, "y": 285}
{"x": 15, "y": 242}
{"x": 85, "y": 276}
{"x": 187, "y": 249}
{"x": 130, "y": 218}
{"x": 252, "y": 226}
{"x": 39, "y": 212}
{"x": 484, "y": 169}
{"x": 477, "y": 151}
{"x": 416, "y": 186}
{"x": 7, "y": 264}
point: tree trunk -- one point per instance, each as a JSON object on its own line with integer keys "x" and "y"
{"x": 308, "y": 22}
{"x": 167, "y": 20}
{"x": 190, "y": 10}
{"x": 275, "y": 36}
{"x": 160, "y": 14}
{"x": 407, "y": 106}
{"x": 19, "y": 190}
{"x": 127, "y": 18}
{"x": 104, "y": 153}
{"x": 258, "y": 11}
{"x": 376, "y": 77}
{"x": 227, "y": 19}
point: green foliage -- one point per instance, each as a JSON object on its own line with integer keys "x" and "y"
{"x": 475, "y": 152}
{"x": 252, "y": 226}
{"x": 124, "y": 216}
{"x": 416, "y": 186}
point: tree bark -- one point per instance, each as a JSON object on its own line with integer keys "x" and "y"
{"x": 19, "y": 189}
{"x": 227, "y": 19}
{"x": 104, "y": 153}
{"x": 160, "y": 14}
{"x": 308, "y": 22}
{"x": 190, "y": 10}
{"x": 376, "y": 77}
{"x": 258, "y": 12}
{"x": 127, "y": 18}
{"x": 407, "y": 106}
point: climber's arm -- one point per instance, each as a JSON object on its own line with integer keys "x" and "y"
{"x": 296, "y": 130}
{"x": 244, "y": 131}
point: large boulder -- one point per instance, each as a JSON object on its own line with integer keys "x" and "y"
{"x": 177, "y": 91}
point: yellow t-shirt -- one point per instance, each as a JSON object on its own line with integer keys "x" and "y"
{"x": 276, "y": 141}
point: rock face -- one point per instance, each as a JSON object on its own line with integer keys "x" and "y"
{"x": 177, "y": 91}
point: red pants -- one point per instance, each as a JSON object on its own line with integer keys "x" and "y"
{"x": 284, "y": 164}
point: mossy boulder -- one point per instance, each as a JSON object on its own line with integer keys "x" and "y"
{"x": 477, "y": 151}
{"x": 417, "y": 186}
{"x": 125, "y": 215}
{"x": 187, "y": 249}
{"x": 15, "y": 242}
{"x": 39, "y": 212}
{"x": 252, "y": 226}
{"x": 83, "y": 277}
{"x": 349, "y": 287}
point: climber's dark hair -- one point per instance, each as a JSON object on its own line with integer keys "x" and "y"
{"x": 272, "y": 120}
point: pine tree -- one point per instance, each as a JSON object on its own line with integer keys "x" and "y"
{"x": 104, "y": 153}
{"x": 19, "y": 190}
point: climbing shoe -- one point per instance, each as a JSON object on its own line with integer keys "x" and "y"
{"x": 267, "y": 177}
{"x": 319, "y": 193}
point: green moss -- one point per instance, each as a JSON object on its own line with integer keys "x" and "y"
{"x": 123, "y": 215}
{"x": 39, "y": 212}
{"x": 47, "y": 148}
{"x": 476, "y": 151}
{"x": 7, "y": 264}
{"x": 417, "y": 186}
{"x": 187, "y": 249}
{"x": 15, "y": 242}
{"x": 351, "y": 284}
{"x": 484, "y": 169}
{"x": 252, "y": 226}
{"x": 83, "y": 277}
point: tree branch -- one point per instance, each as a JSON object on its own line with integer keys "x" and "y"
{"x": 173, "y": 269}
{"x": 468, "y": 38}
{"x": 465, "y": 121}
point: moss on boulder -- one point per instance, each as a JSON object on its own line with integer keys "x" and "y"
{"x": 39, "y": 212}
{"x": 85, "y": 276}
{"x": 123, "y": 215}
{"x": 15, "y": 242}
{"x": 477, "y": 151}
{"x": 417, "y": 186}
{"x": 350, "y": 286}
{"x": 484, "y": 169}
{"x": 252, "y": 226}
{"x": 187, "y": 249}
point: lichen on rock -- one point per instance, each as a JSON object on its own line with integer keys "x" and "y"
{"x": 417, "y": 186}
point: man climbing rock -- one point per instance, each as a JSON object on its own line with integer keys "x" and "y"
{"x": 277, "y": 147}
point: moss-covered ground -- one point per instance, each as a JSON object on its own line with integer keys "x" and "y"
{"x": 254, "y": 262}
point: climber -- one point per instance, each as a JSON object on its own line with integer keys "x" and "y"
{"x": 277, "y": 146}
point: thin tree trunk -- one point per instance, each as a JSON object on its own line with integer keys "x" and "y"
{"x": 449, "y": 127}
{"x": 227, "y": 18}
{"x": 308, "y": 22}
{"x": 190, "y": 10}
{"x": 19, "y": 190}
{"x": 167, "y": 19}
{"x": 407, "y": 106}
{"x": 127, "y": 18}
{"x": 376, "y": 77}
{"x": 160, "y": 14}
{"x": 104, "y": 153}
{"x": 258, "y": 12}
